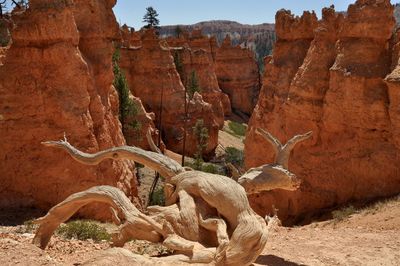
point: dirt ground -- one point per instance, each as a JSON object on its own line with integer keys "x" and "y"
{"x": 370, "y": 237}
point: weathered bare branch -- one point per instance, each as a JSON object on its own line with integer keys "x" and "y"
{"x": 160, "y": 163}
{"x": 282, "y": 152}
{"x": 276, "y": 144}
{"x": 152, "y": 145}
{"x": 268, "y": 177}
{"x": 283, "y": 156}
{"x": 147, "y": 228}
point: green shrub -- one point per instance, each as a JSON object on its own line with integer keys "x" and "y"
{"x": 234, "y": 156}
{"x": 343, "y": 213}
{"x": 157, "y": 198}
{"x": 83, "y": 230}
{"x": 207, "y": 168}
{"x": 127, "y": 108}
{"x": 237, "y": 128}
{"x": 213, "y": 169}
{"x": 193, "y": 85}
{"x": 28, "y": 227}
{"x": 178, "y": 63}
{"x": 201, "y": 133}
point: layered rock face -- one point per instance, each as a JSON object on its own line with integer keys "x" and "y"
{"x": 393, "y": 83}
{"x": 129, "y": 37}
{"x": 54, "y": 81}
{"x": 3, "y": 52}
{"x": 238, "y": 76}
{"x": 194, "y": 54}
{"x": 335, "y": 87}
{"x": 4, "y": 37}
{"x": 137, "y": 136}
{"x": 152, "y": 76}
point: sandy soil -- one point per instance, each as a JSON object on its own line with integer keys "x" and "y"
{"x": 371, "y": 237}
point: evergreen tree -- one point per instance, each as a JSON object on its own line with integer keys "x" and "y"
{"x": 193, "y": 85}
{"x": 201, "y": 133}
{"x": 151, "y": 18}
{"x": 178, "y": 31}
{"x": 5, "y": 3}
{"x": 127, "y": 108}
{"x": 178, "y": 64}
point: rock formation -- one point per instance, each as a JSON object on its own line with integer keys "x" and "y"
{"x": 52, "y": 82}
{"x": 335, "y": 87}
{"x": 130, "y": 37}
{"x": 145, "y": 121}
{"x": 238, "y": 76}
{"x": 195, "y": 54}
{"x": 3, "y": 52}
{"x": 152, "y": 76}
{"x": 393, "y": 83}
{"x": 260, "y": 38}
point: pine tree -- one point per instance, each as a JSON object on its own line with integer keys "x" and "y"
{"x": 151, "y": 18}
{"x": 4, "y": 4}
{"x": 193, "y": 85}
{"x": 127, "y": 108}
{"x": 201, "y": 133}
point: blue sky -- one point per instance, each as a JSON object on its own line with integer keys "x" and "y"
{"x": 173, "y": 12}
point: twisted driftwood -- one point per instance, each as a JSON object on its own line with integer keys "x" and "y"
{"x": 282, "y": 152}
{"x": 160, "y": 163}
{"x": 276, "y": 175}
{"x": 207, "y": 219}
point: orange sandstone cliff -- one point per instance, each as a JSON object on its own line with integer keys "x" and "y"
{"x": 153, "y": 77}
{"x": 194, "y": 54}
{"x": 52, "y": 82}
{"x": 328, "y": 77}
{"x": 238, "y": 76}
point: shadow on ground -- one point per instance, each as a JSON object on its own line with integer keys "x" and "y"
{"x": 272, "y": 260}
{"x": 17, "y": 216}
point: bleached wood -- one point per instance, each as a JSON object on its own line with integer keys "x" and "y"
{"x": 282, "y": 152}
{"x": 162, "y": 164}
{"x": 208, "y": 218}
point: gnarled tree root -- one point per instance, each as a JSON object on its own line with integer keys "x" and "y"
{"x": 136, "y": 225}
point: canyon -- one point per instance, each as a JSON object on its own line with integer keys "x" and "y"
{"x": 101, "y": 94}
{"x": 336, "y": 78}
{"x": 53, "y": 99}
{"x": 327, "y": 76}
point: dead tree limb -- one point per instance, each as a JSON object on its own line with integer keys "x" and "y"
{"x": 160, "y": 163}
{"x": 282, "y": 152}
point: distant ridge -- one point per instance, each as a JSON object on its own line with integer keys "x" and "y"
{"x": 259, "y": 38}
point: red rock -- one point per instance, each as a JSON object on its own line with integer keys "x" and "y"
{"x": 340, "y": 94}
{"x": 3, "y": 52}
{"x": 137, "y": 136}
{"x": 238, "y": 76}
{"x": 52, "y": 82}
{"x": 195, "y": 53}
{"x": 150, "y": 70}
{"x": 130, "y": 37}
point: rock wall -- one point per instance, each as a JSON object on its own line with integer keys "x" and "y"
{"x": 151, "y": 73}
{"x": 54, "y": 81}
{"x": 238, "y": 76}
{"x": 3, "y": 52}
{"x": 195, "y": 54}
{"x": 335, "y": 87}
{"x": 4, "y": 31}
{"x": 136, "y": 136}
